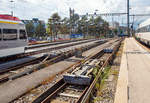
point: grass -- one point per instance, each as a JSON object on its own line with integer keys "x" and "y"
{"x": 95, "y": 71}
{"x": 100, "y": 83}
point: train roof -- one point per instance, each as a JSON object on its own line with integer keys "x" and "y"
{"x": 9, "y": 19}
{"x": 145, "y": 23}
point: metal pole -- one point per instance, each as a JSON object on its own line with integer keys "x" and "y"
{"x": 11, "y": 7}
{"x": 87, "y": 28}
{"x": 133, "y": 26}
{"x": 70, "y": 12}
{"x": 128, "y": 21}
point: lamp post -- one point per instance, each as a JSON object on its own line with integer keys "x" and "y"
{"x": 11, "y": 7}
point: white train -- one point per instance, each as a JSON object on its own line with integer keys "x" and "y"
{"x": 143, "y": 32}
{"x": 13, "y": 36}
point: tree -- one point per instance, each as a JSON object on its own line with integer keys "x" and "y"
{"x": 64, "y": 29}
{"x": 30, "y": 29}
{"x": 95, "y": 26}
{"x": 115, "y": 31}
{"x": 48, "y": 31}
{"x": 82, "y": 29}
{"x": 105, "y": 28}
{"x": 54, "y": 24}
{"x": 56, "y": 17}
{"x": 40, "y": 30}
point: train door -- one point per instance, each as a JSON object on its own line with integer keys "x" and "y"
{"x": 22, "y": 35}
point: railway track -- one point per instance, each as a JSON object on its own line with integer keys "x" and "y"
{"x": 53, "y": 43}
{"x": 62, "y": 92}
{"x": 68, "y": 93}
{"x": 14, "y": 57}
{"x": 24, "y": 69}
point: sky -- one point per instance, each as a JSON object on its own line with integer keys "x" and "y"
{"x": 43, "y": 9}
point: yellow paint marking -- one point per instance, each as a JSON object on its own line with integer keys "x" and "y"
{"x": 8, "y": 22}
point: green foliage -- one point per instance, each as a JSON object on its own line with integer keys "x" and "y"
{"x": 53, "y": 24}
{"x": 56, "y": 17}
{"x": 115, "y": 31}
{"x": 93, "y": 26}
{"x": 106, "y": 71}
{"x": 104, "y": 75}
{"x": 40, "y": 30}
{"x": 30, "y": 29}
{"x": 95, "y": 71}
{"x": 37, "y": 31}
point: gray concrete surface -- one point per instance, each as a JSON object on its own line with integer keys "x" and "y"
{"x": 138, "y": 62}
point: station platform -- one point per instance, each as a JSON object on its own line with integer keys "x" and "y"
{"x": 133, "y": 81}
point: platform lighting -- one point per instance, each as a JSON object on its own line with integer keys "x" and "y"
{"x": 11, "y": 1}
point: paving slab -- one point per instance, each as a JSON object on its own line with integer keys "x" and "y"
{"x": 139, "y": 72}
{"x": 136, "y": 60}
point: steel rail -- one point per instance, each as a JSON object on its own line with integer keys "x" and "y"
{"x": 86, "y": 97}
{"x": 14, "y": 57}
{"x": 48, "y": 62}
{"x": 51, "y": 92}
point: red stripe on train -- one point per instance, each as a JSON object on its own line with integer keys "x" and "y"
{"x": 9, "y": 17}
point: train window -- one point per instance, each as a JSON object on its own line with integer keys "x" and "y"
{"x": 149, "y": 28}
{"x": 146, "y": 28}
{"x": 23, "y": 34}
{"x": 9, "y": 34}
{"x": 0, "y": 34}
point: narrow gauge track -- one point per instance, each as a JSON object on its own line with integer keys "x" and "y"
{"x": 53, "y": 59}
{"x": 14, "y": 57}
{"x": 63, "y": 92}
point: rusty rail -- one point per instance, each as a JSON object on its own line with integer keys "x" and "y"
{"x": 86, "y": 97}
{"x": 51, "y": 92}
{"x": 13, "y": 57}
{"x": 47, "y": 63}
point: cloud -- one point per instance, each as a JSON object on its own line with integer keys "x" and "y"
{"x": 43, "y": 9}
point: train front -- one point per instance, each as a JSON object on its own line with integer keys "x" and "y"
{"x": 13, "y": 36}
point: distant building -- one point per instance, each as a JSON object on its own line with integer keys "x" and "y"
{"x": 114, "y": 25}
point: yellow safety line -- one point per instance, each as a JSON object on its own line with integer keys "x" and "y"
{"x": 8, "y": 22}
{"x": 121, "y": 95}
